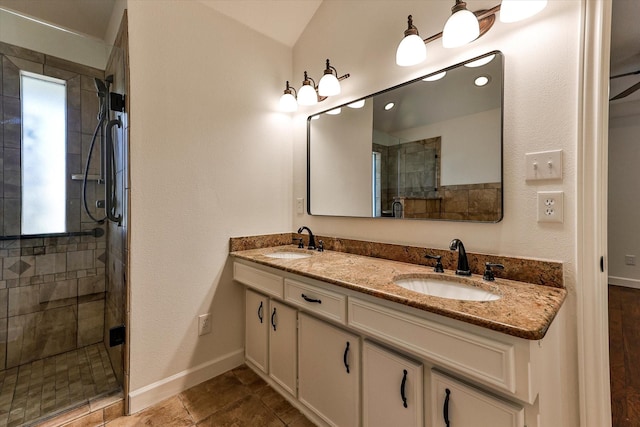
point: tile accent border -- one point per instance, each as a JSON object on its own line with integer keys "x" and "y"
{"x": 538, "y": 272}
{"x": 156, "y": 392}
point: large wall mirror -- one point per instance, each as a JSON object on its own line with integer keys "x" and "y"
{"x": 427, "y": 149}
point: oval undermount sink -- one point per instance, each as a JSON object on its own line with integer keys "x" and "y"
{"x": 446, "y": 289}
{"x": 288, "y": 255}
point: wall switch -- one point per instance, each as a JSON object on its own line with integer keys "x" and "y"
{"x": 630, "y": 260}
{"x": 204, "y": 324}
{"x": 550, "y": 206}
{"x": 300, "y": 205}
{"x": 544, "y": 165}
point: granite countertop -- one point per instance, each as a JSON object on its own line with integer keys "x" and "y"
{"x": 523, "y": 310}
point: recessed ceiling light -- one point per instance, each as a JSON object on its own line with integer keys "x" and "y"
{"x": 480, "y": 62}
{"x": 435, "y": 77}
{"x": 389, "y": 106}
{"x": 357, "y": 104}
{"x": 482, "y": 81}
{"x": 335, "y": 111}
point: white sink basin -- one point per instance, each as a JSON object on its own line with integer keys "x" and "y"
{"x": 288, "y": 255}
{"x": 446, "y": 289}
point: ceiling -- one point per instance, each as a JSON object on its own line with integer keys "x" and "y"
{"x": 285, "y": 20}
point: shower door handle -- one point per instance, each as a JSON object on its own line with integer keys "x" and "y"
{"x": 109, "y": 191}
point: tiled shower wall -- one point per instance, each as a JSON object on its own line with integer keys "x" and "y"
{"x": 52, "y": 290}
{"x": 117, "y": 233}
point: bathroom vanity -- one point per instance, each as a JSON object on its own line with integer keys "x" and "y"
{"x": 338, "y": 337}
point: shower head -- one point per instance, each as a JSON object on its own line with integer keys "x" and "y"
{"x": 101, "y": 87}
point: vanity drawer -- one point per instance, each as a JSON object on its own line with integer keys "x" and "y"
{"x": 258, "y": 279}
{"x": 490, "y": 361}
{"x": 316, "y": 300}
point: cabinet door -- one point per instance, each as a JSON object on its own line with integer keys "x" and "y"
{"x": 455, "y": 404}
{"x": 329, "y": 371}
{"x": 256, "y": 332}
{"x": 391, "y": 389}
{"x": 283, "y": 328}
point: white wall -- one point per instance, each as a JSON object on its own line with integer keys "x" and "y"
{"x": 541, "y": 112}
{"x": 210, "y": 159}
{"x": 342, "y": 142}
{"x": 19, "y": 31}
{"x": 470, "y": 150}
{"x": 624, "y": 199}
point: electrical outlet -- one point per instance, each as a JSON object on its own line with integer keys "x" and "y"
{"x": 300, "y": 205}
{"x": 630, "y": 260}
{"x": 204, "y": 324}
{"x": 550, "y": 206}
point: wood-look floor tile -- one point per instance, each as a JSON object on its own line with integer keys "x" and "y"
{"x": 247, "y": 412}
{"x": 212, "y": 395}
{"x": 94, "y": 419}
{"x": 170, "y": 412}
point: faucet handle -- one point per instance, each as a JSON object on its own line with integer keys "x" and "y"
{"x": 488, "y": 273}
{"x": 300, "y": 243}
{"x": 438, "y": 268}
{"x": 320, "y": 246}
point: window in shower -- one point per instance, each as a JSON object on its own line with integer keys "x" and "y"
{"x": 43, "y": 101}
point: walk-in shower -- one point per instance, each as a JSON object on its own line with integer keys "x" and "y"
{"x": 62, "y": 283}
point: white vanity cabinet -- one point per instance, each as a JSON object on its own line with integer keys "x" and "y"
{"x": 283, "y": 336}
{"x": 329, "y": 371}
{"x": 256, "y": 333}
{"x": 392, "y": 392}
{"x": 321, "y": 345}
{"x": 457, "y": 404}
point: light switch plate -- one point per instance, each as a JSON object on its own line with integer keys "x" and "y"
{"x": 544, "y": 165}
{"x": 300, "y": 205}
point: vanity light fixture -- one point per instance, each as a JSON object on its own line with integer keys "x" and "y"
{"x": 463, "y": 27}
{"x": 357, "y": 104}
{"x": 310, "y": 93}
{"x": 329, "y": 84}
{"x": 335, "y": 111}
{"x": 307, "y": 94}
{"x": 288, "y": 102}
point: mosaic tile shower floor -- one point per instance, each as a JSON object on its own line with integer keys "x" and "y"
{"x": 48, "y": 386}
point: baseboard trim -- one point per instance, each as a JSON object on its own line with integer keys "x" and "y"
{"x": 153, "y": 393}
{"x": 624, "y": 281}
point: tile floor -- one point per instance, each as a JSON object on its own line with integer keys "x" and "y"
{"x": 51, "y": 385}
{"x": 238, "y": 398}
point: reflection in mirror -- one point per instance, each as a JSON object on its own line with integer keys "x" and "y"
{"x": 427, "y": 149}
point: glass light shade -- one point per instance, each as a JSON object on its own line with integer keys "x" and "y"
{"x": 328, "y": 85}
{"x": 411, "y": 51}
{"x": 307, "y": 95}
{"x": 288, "y": 103}
{"x": 335, "y": 111}
{"x": 517, "y": 10}
{"x": 461, "y": 28}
